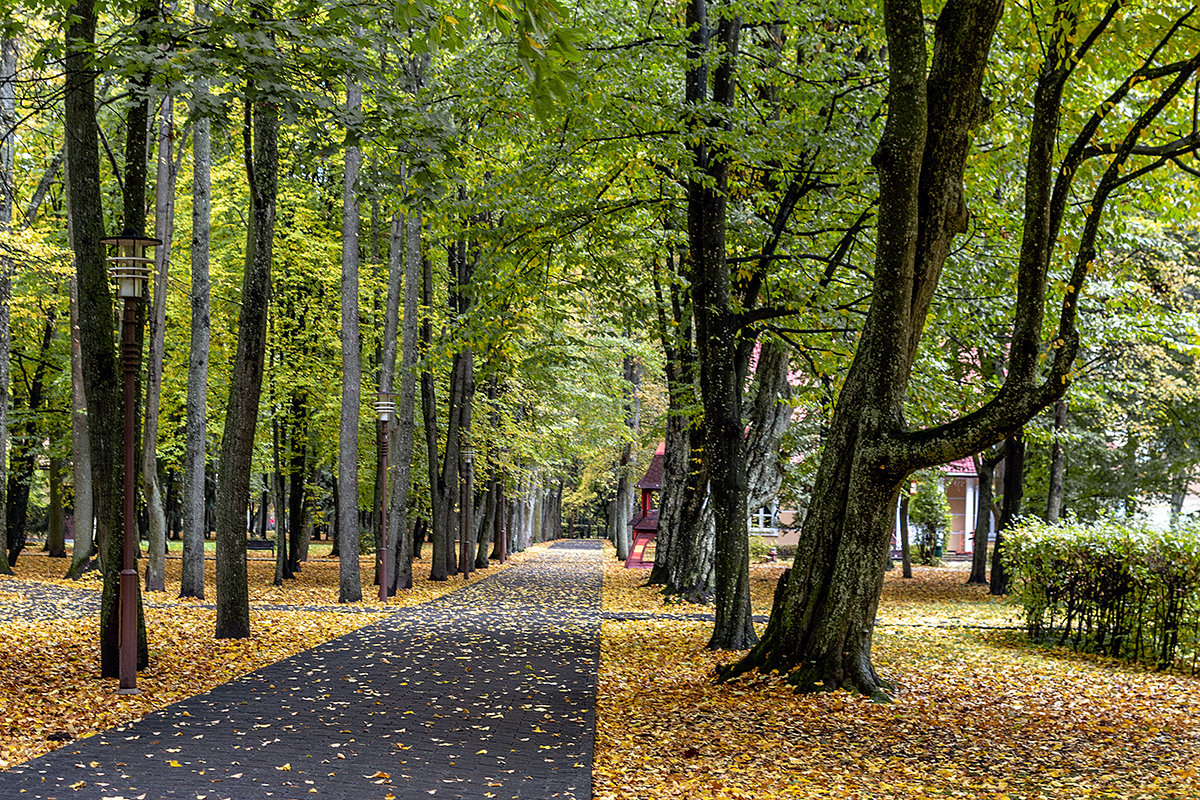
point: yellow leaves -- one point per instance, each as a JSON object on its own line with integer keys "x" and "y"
{"x": 979, "y": 713}
{"x": 174, "y": 763}
{"x": 285, "y": 768}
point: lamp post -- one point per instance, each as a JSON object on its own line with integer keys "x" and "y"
{"x": 464, "y": 518}
{"x": 130, "y": 269}
{"x": 386, "y": 409}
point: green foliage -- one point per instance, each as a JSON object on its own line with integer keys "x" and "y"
{"x": 929, "y": 511}
{"x": 1126, "y": 591}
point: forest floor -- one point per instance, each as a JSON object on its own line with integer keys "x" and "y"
{"x": 50, "y": 684}
{"x": 979, "y": 712}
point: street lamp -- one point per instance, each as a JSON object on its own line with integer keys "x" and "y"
{"x": 385, "y": 407}
{"x": 130, "y": 269}
{"x": 464, "y": 516}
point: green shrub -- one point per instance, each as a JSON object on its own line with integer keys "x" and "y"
{"x": 1125, "y": 591}
{"x": 929, "y": 511}
{"x": 760, "y": 549}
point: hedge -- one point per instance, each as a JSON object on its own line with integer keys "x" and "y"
{"x": 1124, "y": 591}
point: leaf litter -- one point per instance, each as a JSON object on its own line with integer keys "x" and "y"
{"x": 979, "y": 712}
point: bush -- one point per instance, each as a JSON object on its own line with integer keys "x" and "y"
{"x": 760, "y": 549}
{"x": 929, "y": 510}
{"x": 1124, "y": 591}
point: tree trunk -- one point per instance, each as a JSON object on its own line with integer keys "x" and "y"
{"x": 985, "y": 468}
{"x": 26, "y": 444}
{"x": 717, "y": 334}
{"x": 349, "y": 586}
{"x": 438, "y": 534}
{"x": 1010, "y": 509}
{"x": 81, "y": 462}
{"x": 56, "y": 534}
{"x": 404, "y": 281}
{"x": 100, "y": 370}
{"x": 297, "y": 471}
{"x": 823, "y": 617}
{"x": 260, "y": 132}
{"x": 195, "y": 509}
{"x": 1058, "y": 464}
{"x": 905, "y": 537}
{"x": 164, "y": 226}
{"x": 8, "y": 137}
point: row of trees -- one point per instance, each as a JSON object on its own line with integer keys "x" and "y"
{"x": 554, "y": 238}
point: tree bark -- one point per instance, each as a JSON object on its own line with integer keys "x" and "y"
{"x": 438, "y": 524}
{"x": 1010, "y": 508}
{"x": 985, "y": 469}
{"x": 717, "y": 336}
{"x": 101, "y": 376}
{"x": 195, "y": 511}
{"x": 164, "y": 226}
{"x": 260, "y": 133}
{"x": 81, "y": 460}
{"x": 8, "y": 136}
{"x": 349, "y": 585}
{"x": 56, "y": 534}
{"x": 824, "y": 613}
{"x": 1058, "y": 464}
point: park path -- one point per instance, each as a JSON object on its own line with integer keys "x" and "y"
{"x": 486, "y": 692}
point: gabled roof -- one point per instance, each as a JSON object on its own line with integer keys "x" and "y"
{"x": 653, "y": 477}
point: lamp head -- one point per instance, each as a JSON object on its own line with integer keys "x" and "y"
{"x": 130, "y": 267}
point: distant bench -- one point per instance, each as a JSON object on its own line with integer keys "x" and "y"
{"x": 261, "y": 544}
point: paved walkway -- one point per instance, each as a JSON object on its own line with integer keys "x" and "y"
{"x": 486, "y": 692}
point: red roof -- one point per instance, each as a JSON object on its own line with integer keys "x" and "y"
{"x": 653, "y": 477}
{"x": 644, "y": 522}
{"x": 962, "y": 467}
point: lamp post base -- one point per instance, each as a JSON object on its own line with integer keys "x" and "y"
{"x": 134, "y": 690}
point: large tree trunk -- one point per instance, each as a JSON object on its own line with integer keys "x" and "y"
{"x": 81, "y": 460}
{"x": 1058, "y": 464}
{"x": 717, "y": 337}
{"x": 260, "y": 132}
{"x": 164, "y": 226}
{"x": 985, "y": 468}
{"x": 101, "y": 376}
{"x": 195, "y": 512}
{"x": 349, "y": 585}
{"x": 824, "y": 614}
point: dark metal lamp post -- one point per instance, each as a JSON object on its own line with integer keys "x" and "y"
{"x": 130, "y": 269}
{"x": 386, "y": 408}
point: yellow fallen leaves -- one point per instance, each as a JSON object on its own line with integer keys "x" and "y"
{"x": 50, "y": 681}
{"x": 979, "y": 714}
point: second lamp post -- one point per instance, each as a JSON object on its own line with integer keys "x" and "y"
{"x": 130, "y": 269}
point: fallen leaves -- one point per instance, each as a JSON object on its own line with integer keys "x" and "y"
{"x": 50, "y": 680}
{"x": 980, "y": 713}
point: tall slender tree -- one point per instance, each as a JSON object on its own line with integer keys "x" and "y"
{"x": 260, "y": 132}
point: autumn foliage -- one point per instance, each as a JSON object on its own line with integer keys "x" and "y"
{"x": 979, "y": 712}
